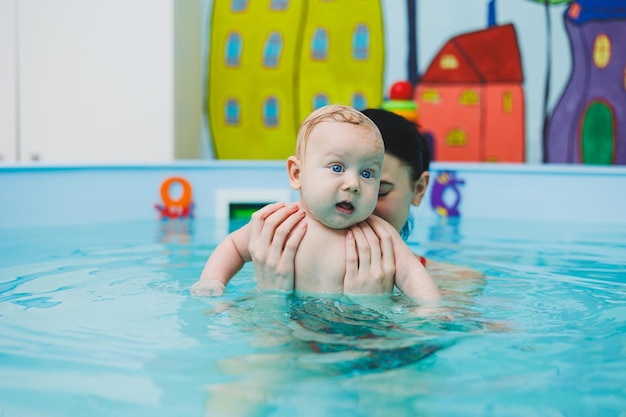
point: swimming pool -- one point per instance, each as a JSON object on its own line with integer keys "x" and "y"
{"x": 96, "y": 316}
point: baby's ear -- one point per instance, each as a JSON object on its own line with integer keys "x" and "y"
{"x": 293, "y": 169}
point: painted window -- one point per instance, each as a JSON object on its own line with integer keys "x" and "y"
{"x": 448, "y": 62}
{"x": 238, "y": 5}
{"x": 319, "y": 45}
{"x": 320, "y": 100}
{"x": 270, "y": 112}
{"x": 232, "y": 112}
{"x": 279, "y": 5}
{"x": 233, "y": 50}
{"x": 507, "y": 102}
{"x": 601, "y": 51}
{"x": 469, "y": 98}
{"x": 358, "y": 101}
{"x": 431, "y": 95}
{"x": 574, "y": 11}
{"x": 361, "y": 43}
{"x": 273, "y": 49}
{"x": 456, "y": 137}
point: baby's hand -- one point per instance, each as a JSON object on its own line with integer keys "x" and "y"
{"x": 208, "y": 288}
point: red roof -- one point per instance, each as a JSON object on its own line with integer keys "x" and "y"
{"x": 487, "y": 55}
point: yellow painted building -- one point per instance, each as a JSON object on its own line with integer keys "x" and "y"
{"x": 272, "y": 62}
{"x": 342, "y": 56}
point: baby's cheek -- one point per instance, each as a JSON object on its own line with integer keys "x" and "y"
{"x": 369, "y": 189}
{"x": 371, "y": 197}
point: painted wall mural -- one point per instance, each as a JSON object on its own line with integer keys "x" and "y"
{"x": 477, "y": 77}
{"x": 271, "y": 62}
{"x": 588, "y": 124}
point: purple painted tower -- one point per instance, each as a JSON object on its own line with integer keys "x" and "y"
{"x": 588, "y": 125}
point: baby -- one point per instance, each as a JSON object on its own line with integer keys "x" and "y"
{"x": 337, "y": 169}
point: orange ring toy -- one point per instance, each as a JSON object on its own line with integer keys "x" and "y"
{"x": 185, "y": 198}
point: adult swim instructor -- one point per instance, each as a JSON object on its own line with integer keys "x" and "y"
{"x": 277, "y": 229}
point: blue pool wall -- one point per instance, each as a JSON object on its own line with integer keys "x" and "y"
{"x": 34, "y": 195}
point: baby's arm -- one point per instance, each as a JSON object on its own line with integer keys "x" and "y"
{"x": 411, "y": 276}
{"x": 225, "y": 261}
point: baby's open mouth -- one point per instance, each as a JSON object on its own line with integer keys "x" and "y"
{"x": 345, "y": 207}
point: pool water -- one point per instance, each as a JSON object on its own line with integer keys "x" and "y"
{"x": 97, "y": 320}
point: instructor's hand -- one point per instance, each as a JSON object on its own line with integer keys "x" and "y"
{"x": 370, "y": 262}
{"x": 275, "y": 234}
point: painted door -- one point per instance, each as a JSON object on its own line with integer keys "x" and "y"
{"x": 597, "y": 135}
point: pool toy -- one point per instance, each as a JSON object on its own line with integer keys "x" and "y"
{"x": 401, "y": 90}
{"x": 401, "y": 101}
{"x": 182, "y": 207}
{"x": 446, "y": 182}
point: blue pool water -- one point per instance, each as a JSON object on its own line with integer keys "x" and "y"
{"x": 98, "y": 321}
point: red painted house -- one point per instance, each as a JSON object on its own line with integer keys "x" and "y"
{"x": 471, "y": 100}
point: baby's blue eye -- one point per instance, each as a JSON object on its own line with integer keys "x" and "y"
{"x": 367, "y": 174}
{"x": 336, "y": 168}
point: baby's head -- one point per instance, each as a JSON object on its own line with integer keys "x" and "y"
{"x": 337, "y": 167}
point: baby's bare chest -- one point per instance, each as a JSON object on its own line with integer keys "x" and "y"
{"x": 321, "y": 260}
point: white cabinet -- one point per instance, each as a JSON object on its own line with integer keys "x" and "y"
{"x": 102, "y": 81}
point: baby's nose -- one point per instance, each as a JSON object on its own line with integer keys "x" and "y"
{"x": 351, "y": 183}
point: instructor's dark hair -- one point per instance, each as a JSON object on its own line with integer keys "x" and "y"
{"x": 404, "y": 141}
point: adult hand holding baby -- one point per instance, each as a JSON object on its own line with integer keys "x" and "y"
{"x": 276, "y": 232}
{"x": 370, "y": 262}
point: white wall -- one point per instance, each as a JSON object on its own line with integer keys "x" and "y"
{"x": 98, "y": 81}
{"x": 8, "y": 127}
{"x": 189, "y": 21}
